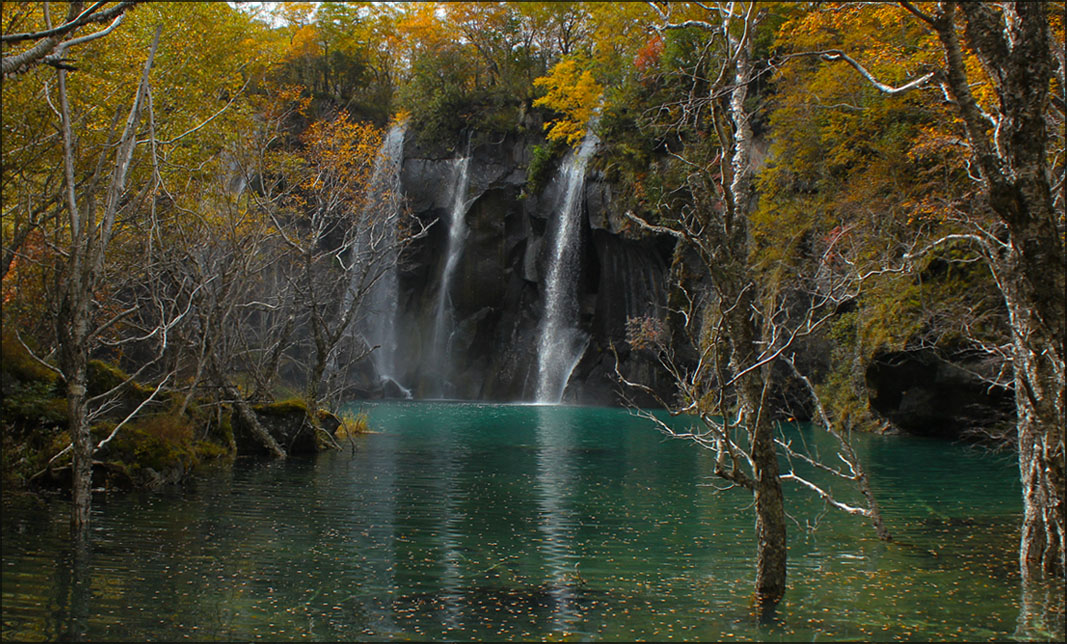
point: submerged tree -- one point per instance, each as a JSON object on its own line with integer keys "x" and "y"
{"x": 740, "y": 325}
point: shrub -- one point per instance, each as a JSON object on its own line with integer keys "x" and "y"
{"x": 352, "y": 424}
{"x": 542, "y": 162}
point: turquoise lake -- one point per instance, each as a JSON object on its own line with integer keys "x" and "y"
{"x": 481, "y": 521}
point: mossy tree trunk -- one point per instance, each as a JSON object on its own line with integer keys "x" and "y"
{"x": 251, "y": 421}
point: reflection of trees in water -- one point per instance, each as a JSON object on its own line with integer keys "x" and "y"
{"x": 72, "y": 592}
{"x": 454, "y": 533}
{"x": 1041, "y": 612}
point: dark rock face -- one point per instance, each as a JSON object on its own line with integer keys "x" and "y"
{"x": 496, "y": 296}
{"x": 924, "y": 394}
{"x": 496, "y": 303}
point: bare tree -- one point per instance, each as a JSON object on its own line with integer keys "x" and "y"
{"x": 341, "y": 224}
{"x": 278, "y": 276}
{"x": 77, "y": 329}
{"x": 318, "y": 227}
{"x": 739, "y": 326}
{"x": 223, "y": 255}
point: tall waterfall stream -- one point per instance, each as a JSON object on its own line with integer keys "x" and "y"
{"x": 374, "y": 259}
{"x": 561, "y": 343}
{"x": 444, "y": 320}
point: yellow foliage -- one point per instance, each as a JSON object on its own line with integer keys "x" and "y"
{"x": 574, "y": 93}
{"x": 296, "y": 14}
{"x": 342, "y": 151}
{"x": 401, "y": 116}
{"x": 351, "y": 425}
{"x": 305, "y": 43}
{"x": 418, "y": 30}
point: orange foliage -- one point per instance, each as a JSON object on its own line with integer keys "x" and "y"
{"x": 648, "y": 56}
{"x": 339, "y": 158}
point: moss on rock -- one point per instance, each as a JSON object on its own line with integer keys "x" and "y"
{"x": 154, "y": 449}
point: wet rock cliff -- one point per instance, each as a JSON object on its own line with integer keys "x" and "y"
{"x": 495, "y": 301}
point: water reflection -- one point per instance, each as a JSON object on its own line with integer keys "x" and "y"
{"x": 450, "y": 460}
{"x": 556, "y": 520}
{"x": 379, "y": 505}
{"x": 71, "y": 600}
{"x": 495, "y": 522}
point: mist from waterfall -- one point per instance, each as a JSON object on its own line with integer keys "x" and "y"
{"x": 561, "y": 343}
{"x": 374, "y": 259}
{"x": 444, "y": 320}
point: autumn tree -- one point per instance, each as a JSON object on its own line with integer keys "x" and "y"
{"x": 996, "y": 72}
{"x": 119, "y": 148}
{"x": 871, "y": 176}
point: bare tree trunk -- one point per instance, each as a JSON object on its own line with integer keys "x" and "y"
{"x": 243, "y": 410}
{"x": 745, "y": 335}
{"x": 770, "y": 518}
{"x": 73, "y": 361}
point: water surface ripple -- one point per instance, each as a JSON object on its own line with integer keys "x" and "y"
{"x": 477, "y": 521}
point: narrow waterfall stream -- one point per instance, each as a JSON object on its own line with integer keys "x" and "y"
{"x": 561, "y": 343}
{"x": 374, "y": 258}
{"x": 444, "y": 320}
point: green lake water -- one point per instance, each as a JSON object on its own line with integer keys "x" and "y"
{"x": 478, "y": 521}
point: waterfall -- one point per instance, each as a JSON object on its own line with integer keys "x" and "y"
{"x": 561, "y": 343}
{"x": 374, "y": 258}
{"x": 444, "y": 322}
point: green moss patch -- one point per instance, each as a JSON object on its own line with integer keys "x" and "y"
{"x": 154, "y": 450}
{"x": 16, "y": 364}
{"x": 282, "y": 408}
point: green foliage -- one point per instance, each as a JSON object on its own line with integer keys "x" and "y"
{"x": 633, "y": 154}
{"x": 446, "y": 99}
{"x": 33, "y": 413}
{"x": 843, "y": 390}
{"x": 543, "y": 160}
{"x": 162, "y": 446}
{"x": 34, "y": 402}
{"x": 32, "y": 393}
